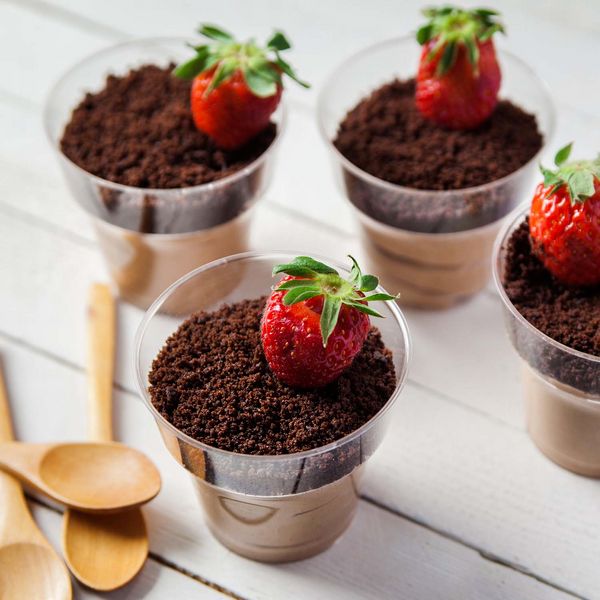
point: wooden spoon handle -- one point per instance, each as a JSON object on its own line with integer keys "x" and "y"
{"x": 101, "y": 352}
{"x": 6, "y": 429}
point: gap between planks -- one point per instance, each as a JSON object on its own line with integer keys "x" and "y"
{"x": 489, "y": 556}
{"x": 113, "y": 34}
{"x": 484, "y": 554}
{"x": 156, "y": 558}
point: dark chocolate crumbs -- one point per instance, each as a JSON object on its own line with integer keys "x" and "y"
{"x": 139, "y": 131}
{"x": 568, "y": 315}
{"x": 212, "y": 381}
{"x": 386, "y": 136}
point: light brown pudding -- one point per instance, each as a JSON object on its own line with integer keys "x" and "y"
{"x": 280, "y": 528}
{"x": 144, "y": 265}
{"x": 431, "y": 270}
{"x": 563, "y": 422}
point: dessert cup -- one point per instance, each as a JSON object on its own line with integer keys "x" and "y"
{"x": 435, "y": 246}
{"x": 272, "y": 508}
{"x": 151, "y": 237}
{"x": 561, "y": 385}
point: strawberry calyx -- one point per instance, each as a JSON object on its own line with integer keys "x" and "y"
{"x": 318, "y": 279}
{"x": 452, "y": 27}
{"x": 262, "y": 67}
{"x": 579, "y": 177}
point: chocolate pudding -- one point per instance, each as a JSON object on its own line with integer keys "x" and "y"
{"x": 562, "y": 379}
{"x": 212, "y": 382}
{"x": 164, "y": 199}
{"x": 429, "y": 200}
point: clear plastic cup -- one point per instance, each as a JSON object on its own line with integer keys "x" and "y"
{"x": 151, "y": 237}
{"x": 561, "y": 385}
{"x": 435, "y": 246}
{"x": 268, "y": 508}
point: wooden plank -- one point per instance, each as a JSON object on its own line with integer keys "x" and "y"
{"x": 154, "y": 581}
{"x": 51, "y": 282}
{"x": 381, "y": 556}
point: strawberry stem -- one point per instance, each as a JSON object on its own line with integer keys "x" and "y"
{"x": 262, "y": 67}
{"x": 580, "y": 177}
{"x": 319, "y": 279}
{"x": 452, "y": 27}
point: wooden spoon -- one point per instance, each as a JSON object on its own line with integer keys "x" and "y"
{"x": 29, "y": 567}
{"x": 103, "y": 551}
{"x": 92, "y": 477}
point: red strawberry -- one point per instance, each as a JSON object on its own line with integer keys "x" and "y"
{"x": 231, "y": 114}
{"x": 564, "y": 221}
{"x": 316, "y": 322}
{"x": 237, "y": 86}
{"x": 459, "y": 77}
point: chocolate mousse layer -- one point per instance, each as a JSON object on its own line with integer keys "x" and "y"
{"x": 212, "y": 382}
{"x": 139, "y": 131}
{"x": 566, "y": 314}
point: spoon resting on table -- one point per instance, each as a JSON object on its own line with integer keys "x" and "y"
{"x": 29, "y": 567}
{"x": 92, "y": 476}
{"x": 104, "y": 551}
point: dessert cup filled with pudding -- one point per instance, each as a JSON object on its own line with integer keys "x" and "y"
{"x": 162, "y": 197}
{"x": 554, "y": 329}
{"x": 277, "y": 469}
{"x": 429, "y": 200}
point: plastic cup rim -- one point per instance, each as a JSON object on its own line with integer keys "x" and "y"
{"x": 376, "y": 181}
{"x": 211, "y": 185}
{"x": 513, "y": 219}
{"x": 154, "y": 308}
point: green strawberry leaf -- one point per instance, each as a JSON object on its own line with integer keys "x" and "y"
{"x": 424, "y": 33}
{"x": 368, "y": 283}
{"x": 329, "y": 317}
{"x": 581, "y": 185}
{"x": 486, "y": 12}
{"x": 299, "y": 295}
{"x": 296, "y": 283}
{"x": 472, "y": 51}
{"x": 225, "y": 69}
{"x": 191, "y": 68}
{"x": 448, "y": 58}
{"x": 364, "y": 309}
{"x": 379, "y": 298}
{"x": 550, "y": 177}
{"x": 307, "y": 265}
{"x": 490, "y": 31}
{"x": 452, "y": 27}
{"x": 260, "y": 85}
{"x": 563, "y": 154}
{"x": 262, "y": 66}
{"x": 215, "y": 33}
{"x": 278, "y": 42}
{"x": 580, "y": 176}
{"x": 319, "y": 279}
{"x": 287, "y": 69}
{"x": 355, "y": 272}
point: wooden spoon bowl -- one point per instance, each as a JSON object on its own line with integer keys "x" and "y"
{"x": 18, "y": 561}
{"x": 91, "y": 477}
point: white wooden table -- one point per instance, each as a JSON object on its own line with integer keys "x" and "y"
{"x": 458, "y": 503}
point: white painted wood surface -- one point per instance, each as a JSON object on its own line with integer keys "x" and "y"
{"x": 458, "y": 503}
